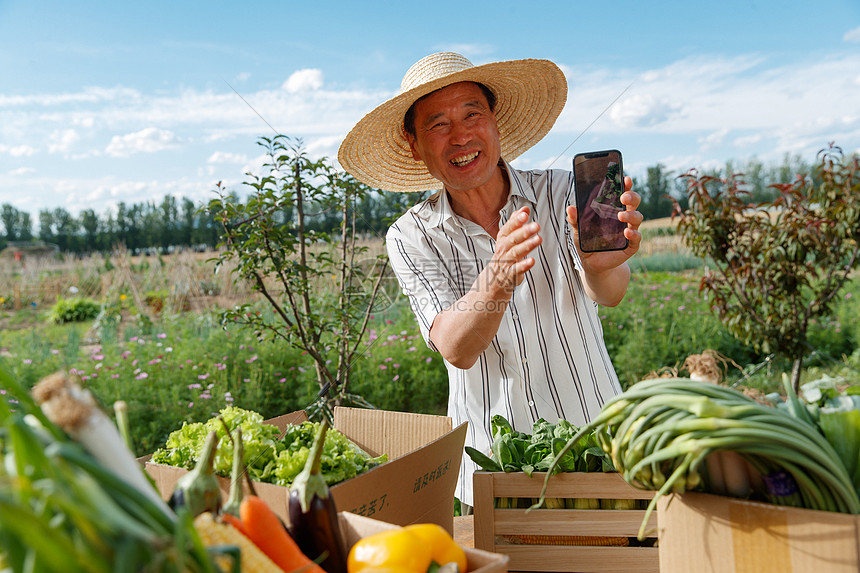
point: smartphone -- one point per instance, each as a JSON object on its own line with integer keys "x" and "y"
{"x": 598, "y": 178}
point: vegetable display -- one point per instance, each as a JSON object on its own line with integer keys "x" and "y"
{"x": 515, "y": 451}
{"x": 541, "y": 451}
{"x": 269, "y": 457}
{"x": 662, "y": 434}
{"x": 74, "y": 499}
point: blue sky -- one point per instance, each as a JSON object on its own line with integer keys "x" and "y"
{"x": 102, "y": 102}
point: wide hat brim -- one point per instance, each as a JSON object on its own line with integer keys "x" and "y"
{"x": 530, "y": 95}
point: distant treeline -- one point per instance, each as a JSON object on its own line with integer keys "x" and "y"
{"x": 152, "y": 226}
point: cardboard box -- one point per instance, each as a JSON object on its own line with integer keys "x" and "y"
{"x": 566, "y": 536}
{"x": 355, "y": 527}
{"x": 416, "y": 485}
{"x": 716, "y": 534}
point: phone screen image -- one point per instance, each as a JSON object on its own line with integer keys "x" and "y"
{"x": 599, "y": 183}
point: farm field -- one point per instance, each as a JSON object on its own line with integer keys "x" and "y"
{"x": 160, "y": 346}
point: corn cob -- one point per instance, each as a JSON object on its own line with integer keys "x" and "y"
{"x": 214, "y": 533}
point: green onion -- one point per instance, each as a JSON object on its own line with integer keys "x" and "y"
{"x": 675, "y": 435}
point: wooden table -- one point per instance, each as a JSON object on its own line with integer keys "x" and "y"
{"x": 464, "y": 530}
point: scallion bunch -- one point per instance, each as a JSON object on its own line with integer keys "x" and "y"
{"x": 664, "y": 434}
{"x": 65, "y": 509}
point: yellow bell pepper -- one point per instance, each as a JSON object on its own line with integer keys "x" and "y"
{"x": 396, "y": 550}
{"x": 409, "y": 549}
{"x": 443, "y": 548}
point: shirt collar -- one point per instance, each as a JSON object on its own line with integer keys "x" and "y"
{"x": 437, "y": 210}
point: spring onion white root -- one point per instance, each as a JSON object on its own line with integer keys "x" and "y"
{"x": 74, "y": 409}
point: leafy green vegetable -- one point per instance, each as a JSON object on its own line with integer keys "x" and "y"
{"x": 836, "y": 409}
{"x": 269, "y": 457}
{"x": 515, "y": 451}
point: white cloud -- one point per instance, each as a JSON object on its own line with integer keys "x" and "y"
{"x": 103, "y": 193}
{"x": 642, "y": 111}
{"x": 22, "y": 171}
{"x": 17, "y": 150}
{"x": 748, "y": 141}
{"x": 304, "y": 80}
{"x": 852, "y": 36}
{"x": 87, "y": 95}
{"x": 255, "y": 165}
{"x": 61, "y": 141}
{"x": 720, "y": 101}
{"x": 147, "y": 140}
{"x": 713, "y": 139}
{"x": 324, "y": 146}
{"x": 226, "y": 157}
{"x": 86, "y": 121}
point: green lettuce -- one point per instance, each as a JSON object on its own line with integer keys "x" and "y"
{"x": 269, "y": 457}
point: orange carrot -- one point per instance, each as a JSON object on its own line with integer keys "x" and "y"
{"x": 234, "y": 521}
{"x": 262, "y": 526}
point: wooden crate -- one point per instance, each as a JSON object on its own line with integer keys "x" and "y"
{"x": 497, "y": 530}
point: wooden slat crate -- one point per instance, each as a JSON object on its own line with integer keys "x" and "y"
{"x": 568, "y": 538}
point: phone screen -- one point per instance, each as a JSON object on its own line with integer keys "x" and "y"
{"x": 599, "y": 183}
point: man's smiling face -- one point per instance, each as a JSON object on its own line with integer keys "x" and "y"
{"x": 456, "y": 136}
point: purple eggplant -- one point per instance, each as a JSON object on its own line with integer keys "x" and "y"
{"x": 313, "y": 514}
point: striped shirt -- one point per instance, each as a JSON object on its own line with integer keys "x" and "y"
{"x": 548, "y": 359}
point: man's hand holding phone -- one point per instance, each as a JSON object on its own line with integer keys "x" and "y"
{"x": 601, "y": 261}
{"x": 605, "y": 219}
{"x": 605, "y": 273}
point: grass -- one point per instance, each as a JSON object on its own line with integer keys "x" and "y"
{"x": 185, "y": 367}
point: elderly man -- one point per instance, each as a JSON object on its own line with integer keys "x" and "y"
{"x": 490, "y": 262}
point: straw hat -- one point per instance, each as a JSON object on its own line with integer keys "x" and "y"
{"x": 529, "y": 96}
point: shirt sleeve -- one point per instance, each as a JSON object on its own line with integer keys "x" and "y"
{"x": 421, "y": 275}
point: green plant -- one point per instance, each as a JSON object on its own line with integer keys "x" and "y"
{"x": 319, "y": 286}
{"x": 777, "y": 265}
{"x": 155, "y": 299}
{"x": 77, "y": 309}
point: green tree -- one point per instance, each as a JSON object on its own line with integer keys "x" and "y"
{"x": 13, "y": 223}
{"x": 206, "y": 228}
{"x": 46, "y": 225}
{"x": 134, "y": 233}
{"x": 186, "y": 222}
{"x": 107, "y": 236}
{"x": 780, "y": 264}
{"x": 66, "y": 230}
{"x": 90, "y": 225}
{"x": 25, "y": 226}
{"x": 656, "y": 194}
{"x": 169, "y": 215}
{"x": 294, "y": 266}
{"x": 122, "y": 224}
